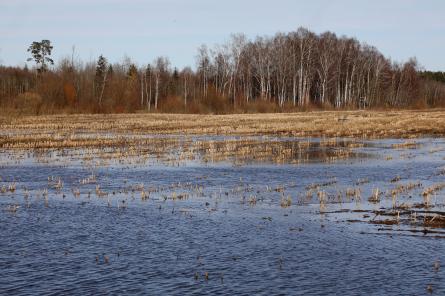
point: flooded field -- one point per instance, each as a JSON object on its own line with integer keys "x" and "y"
{"x": 221, "y": 214}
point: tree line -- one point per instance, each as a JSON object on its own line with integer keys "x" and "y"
{"x": 291, "y": 71}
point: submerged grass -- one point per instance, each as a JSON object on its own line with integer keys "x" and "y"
{"x": 140, "y": 139}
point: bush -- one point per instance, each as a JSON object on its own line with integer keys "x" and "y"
{"x": 172, "y": 104}
{"x": 216, "y": 104}
{"x": 261, "y": 106}
{"x": 28, "y": 102}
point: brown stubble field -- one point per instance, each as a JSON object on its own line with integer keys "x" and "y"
{"x": 359, "y": 124}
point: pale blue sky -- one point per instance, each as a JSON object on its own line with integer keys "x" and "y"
{"x": 175, "y": 28}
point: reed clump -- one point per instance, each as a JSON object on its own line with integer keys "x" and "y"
{"x": 286, "y": 202}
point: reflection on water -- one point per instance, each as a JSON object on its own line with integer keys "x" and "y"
{"x": 224, "y": 215}
{"x": 177, "y": 150}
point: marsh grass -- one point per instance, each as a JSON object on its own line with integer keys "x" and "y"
{"x": 70, "y": 130}
{"x": 132, "y": 140}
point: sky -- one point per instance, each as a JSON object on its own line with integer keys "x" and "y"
{"x": 143, "y": 30}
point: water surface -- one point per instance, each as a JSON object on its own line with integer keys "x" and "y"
{"x": 158, "y": 219}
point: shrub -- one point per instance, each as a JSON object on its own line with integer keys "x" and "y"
{"x": 172, "y": 104}
{"x": 28, "y": 102}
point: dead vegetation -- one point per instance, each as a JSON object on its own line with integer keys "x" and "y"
{"x": 145, "y": 139}
{"x": 103, "y": 130}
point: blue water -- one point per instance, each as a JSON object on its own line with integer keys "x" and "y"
{"x": 62, "y": 244}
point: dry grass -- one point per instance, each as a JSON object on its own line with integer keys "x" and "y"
{"x": 328, "y": 123}
{"x": 124, "y": 130}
